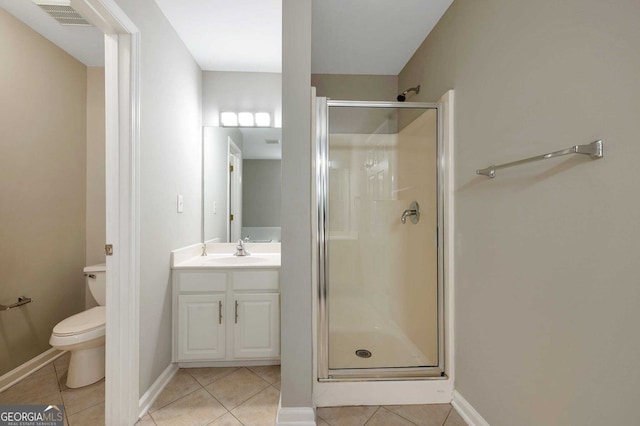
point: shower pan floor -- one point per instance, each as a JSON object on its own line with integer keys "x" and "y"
{"x": 361, "y": 327}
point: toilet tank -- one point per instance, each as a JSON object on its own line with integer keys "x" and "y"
{"x": 96, "y": 276}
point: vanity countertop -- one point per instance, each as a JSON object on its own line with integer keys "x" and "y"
{"x": 220, "y": 256}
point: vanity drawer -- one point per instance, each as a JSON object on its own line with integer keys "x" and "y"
{"x": 256, "y": 280}
{"x": 191, "y": 282}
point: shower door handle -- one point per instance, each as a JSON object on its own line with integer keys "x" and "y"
{"x": 413, "y": 211}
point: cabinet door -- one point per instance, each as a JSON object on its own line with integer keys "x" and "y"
{"x": 257, "y": 326}
{"x": 200, "y": 327}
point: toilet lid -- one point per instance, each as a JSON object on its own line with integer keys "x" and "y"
{"x": 88, "y": 320}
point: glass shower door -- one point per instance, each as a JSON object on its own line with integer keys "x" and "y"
{"x": 380, "y": 275}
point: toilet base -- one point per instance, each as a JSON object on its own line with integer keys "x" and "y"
{"x": 86, "y": 366}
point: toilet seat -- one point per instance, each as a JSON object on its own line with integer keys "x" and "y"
{"x": 83, "y": 322}
{"x": 79, "y": 328}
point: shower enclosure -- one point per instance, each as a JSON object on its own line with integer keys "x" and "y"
{"x": 380, "y": 243}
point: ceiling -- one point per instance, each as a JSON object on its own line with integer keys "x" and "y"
{"x": 222, "y": 35}
{"x": 370, "y": 36}
{"x": 349, "y": 36}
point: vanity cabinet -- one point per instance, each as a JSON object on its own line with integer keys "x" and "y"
{"x": 229, "y": 316}
{"x": 257, "y": 326}
{"x": 201, "y": 331}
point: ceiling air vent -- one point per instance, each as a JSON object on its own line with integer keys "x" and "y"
{"x": 61, "y": 11}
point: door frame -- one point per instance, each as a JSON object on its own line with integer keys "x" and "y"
{"x": 393, "y": 392}
{"x": 234, "y": 192}
{"x": 122, "y": 146}
{"x": 324, "y": 372}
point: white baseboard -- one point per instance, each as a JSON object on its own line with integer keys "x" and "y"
{"x": 295, "y": 416}
{"x": 34, "y": 364}
{"x": 156, "y": 388}
{"x": 209, "y": 364}
{"x": 466, "y": 411}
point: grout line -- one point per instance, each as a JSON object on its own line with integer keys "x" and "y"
{"x": 102, "y": 401}
{"x": 400, "y": 415}
{"x": 236, "y": 418}
{"x": 448, "y": 414}
{"x": 243, "y": 401}
{"x": 374, "y": 413}
{"x": 259, "y": 375}
{"x": 323, "y": 419}
{"x": 232, "y": 370}
{"x": 251, "y": 396}
{"x": 217, "y": 418}
{"x": 84, "y": 409}
{"x": 59, "y": 374}
{"x": 217, "y": 400}
{"x": 175, "y": 400}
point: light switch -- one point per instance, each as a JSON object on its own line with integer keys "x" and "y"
{"x": 180, "y": 204}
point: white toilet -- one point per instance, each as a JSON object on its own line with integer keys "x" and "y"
{"x": 83, "y": 334}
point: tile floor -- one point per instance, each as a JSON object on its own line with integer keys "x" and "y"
{"x": 390, "y": 415}
{"x": 245, "y": 396}
{"x": 83, "y": 406}
{"x": 229, "y": 396}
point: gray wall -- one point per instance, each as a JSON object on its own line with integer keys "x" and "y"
{"x": 261, "y": 180}
{"x": 42, "y": 188}
{"x": 295, "y": 278}
{"x": 356, "y": 87}
{"x": 170, "y": 164}
{"x": 546, "y": 280}
{"x": 240, "y": 91}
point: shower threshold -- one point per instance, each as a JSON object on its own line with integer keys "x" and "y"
{"x": 385, "y": 374}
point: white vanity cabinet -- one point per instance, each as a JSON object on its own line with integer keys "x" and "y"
{"x": 226, "y": 316}
{"x": 257, "y": 326}
{"x": 201, "y": 331}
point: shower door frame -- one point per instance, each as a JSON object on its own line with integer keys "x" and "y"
{"x": 325, "y": 374}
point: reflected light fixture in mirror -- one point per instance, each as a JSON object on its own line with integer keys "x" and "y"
{"x": 245, "y": 119}
{"x": 229, "y": 119}
{"x": 263, "y": 119}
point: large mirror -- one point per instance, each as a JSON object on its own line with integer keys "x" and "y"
{"x": 241, "y": 172}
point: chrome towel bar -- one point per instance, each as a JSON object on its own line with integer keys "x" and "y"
{"x": 22, "y": 300}
{"x": 593, "y": 150}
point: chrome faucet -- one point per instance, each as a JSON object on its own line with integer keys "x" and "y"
{"x": 240, "y": 250}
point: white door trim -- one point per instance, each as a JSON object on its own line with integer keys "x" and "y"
{"x": 122, "y": 83}
{"x": 234, "y": 192}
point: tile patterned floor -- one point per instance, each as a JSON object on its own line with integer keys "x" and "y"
{"x": 83, "y": 406}
{"x": 246, "y": 396}
{"x": 222, "y": 396}
{"x": 391, "y": 415}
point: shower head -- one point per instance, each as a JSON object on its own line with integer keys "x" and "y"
{"x": 403, "y": 96}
